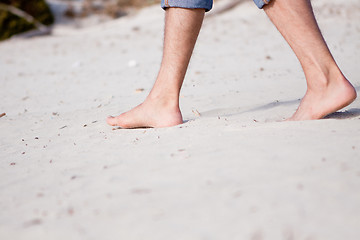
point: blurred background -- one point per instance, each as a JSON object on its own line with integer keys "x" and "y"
{"x": 35, "y": 17}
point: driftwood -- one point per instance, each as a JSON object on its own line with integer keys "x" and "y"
{"x": 41, "y": 28}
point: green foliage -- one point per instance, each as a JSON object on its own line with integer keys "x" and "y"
{"x": 11, "y": 24}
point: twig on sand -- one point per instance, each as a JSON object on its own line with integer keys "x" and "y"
{"x": 2, "y": 114}
{"x": 196, "y": 112}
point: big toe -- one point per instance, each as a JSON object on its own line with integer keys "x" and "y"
{"x": 112, "y": 121}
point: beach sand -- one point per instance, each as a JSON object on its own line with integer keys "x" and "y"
{"x": 233, "y": 170}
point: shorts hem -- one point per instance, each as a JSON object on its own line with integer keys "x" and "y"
{"x": 190, "y": 4}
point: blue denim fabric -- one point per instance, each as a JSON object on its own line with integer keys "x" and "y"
{"x": 206, "y": 4}
{"x": 261, "y": 3}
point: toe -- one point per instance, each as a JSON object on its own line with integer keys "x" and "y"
{"x": 112, "y": 121}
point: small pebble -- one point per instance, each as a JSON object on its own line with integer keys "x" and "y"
{"x": 77, "y": 64}
{"x": 132, "y": 63}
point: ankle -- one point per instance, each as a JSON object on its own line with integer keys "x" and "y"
{"x": 165, "y": 100}
{"x": 320, "y": 79}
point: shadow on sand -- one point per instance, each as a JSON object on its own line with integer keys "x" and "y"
{"x": 274, "y": 104}
{"x": 351, "y": 113}
{"x": 229, "y": 112}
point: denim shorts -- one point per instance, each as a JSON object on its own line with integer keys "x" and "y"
{"x": 205, "y": 4}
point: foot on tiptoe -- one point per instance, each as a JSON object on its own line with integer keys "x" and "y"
{"x": 325, "y": 99}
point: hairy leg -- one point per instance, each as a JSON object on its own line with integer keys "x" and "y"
{"x": 327, "y": 88}
{"x": 161, "y": 107}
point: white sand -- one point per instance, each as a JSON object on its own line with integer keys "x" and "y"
{"x": 233, "y": 173}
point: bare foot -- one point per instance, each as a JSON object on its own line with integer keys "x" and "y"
{"x": 151, "y": 113}
{"x": 326, "y": 99}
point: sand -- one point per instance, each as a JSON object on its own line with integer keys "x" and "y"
{"x": 233, "y": 170}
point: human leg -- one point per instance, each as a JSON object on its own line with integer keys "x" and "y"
{"x": 327, "y": 88}
{"x": 161, "y": 107}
